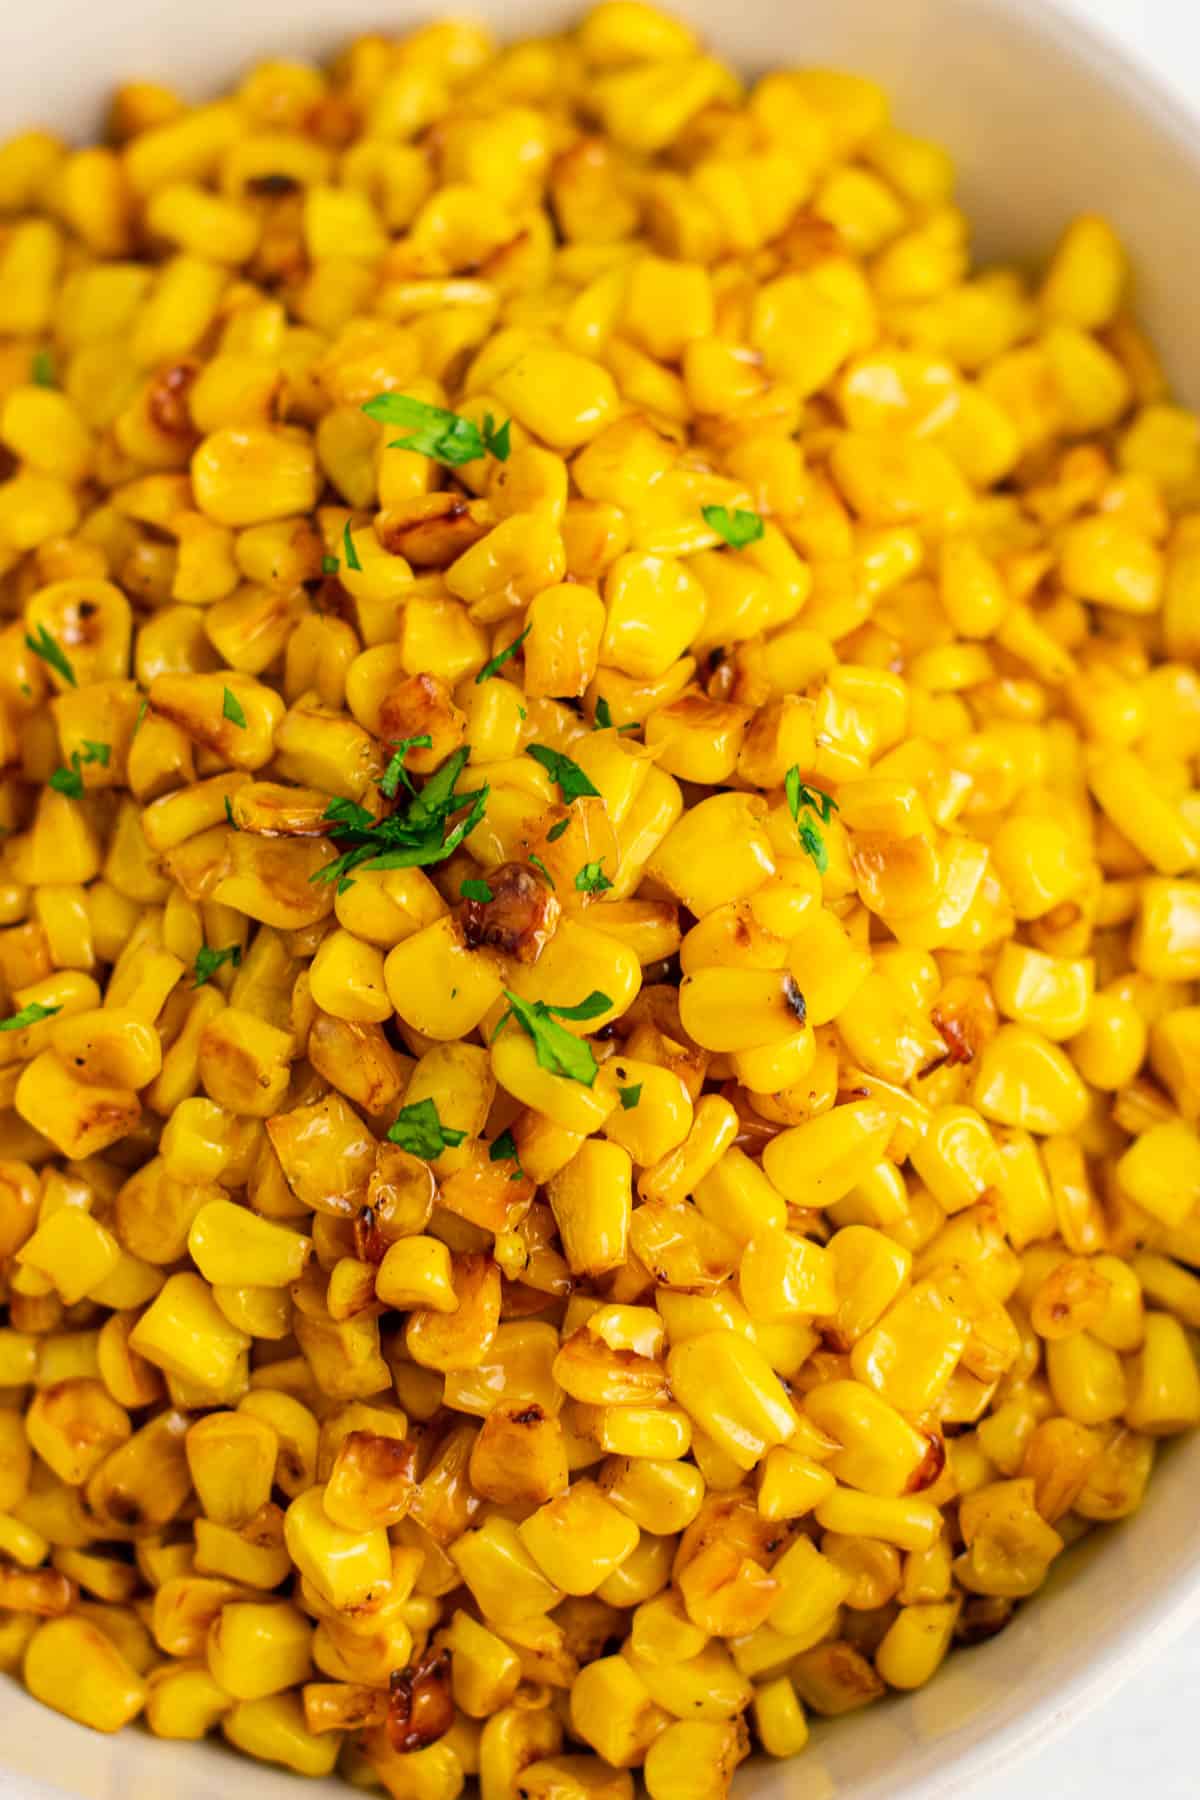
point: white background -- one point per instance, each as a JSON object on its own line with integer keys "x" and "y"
{"x": 1145, "y": 1742}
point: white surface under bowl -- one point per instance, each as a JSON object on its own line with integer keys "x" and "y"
{"x": 1043, "y": 120}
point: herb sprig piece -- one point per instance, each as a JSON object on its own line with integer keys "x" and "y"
{"x": 591, "y": 879}
{"x": 209, "y": 961}
{"x": 603, "y": 720}
{"x": 419, "y": 1130}
{"x": 572, "y": 782}
{"x": 395, "y": 773}
{"x": 738, "y": 528}
{"x": 504, "y": 1149}
{"x": 559, "y": 1051}
{"x": 51, "y": 652}
{"x": 501, "y": 657}
{"x": 815, "y": 800}
{"x": 70, "y": 781}
{"x": 436, "y": 432}
{"x": 231, "y": 709}
{"x": 419, "y": 835}
{"x": 32, "y": 1014}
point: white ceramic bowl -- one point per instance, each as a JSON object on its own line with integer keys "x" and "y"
{"x": 1043, "y": 121}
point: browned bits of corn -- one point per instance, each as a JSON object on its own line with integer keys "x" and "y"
{"x": 599, "y": 912}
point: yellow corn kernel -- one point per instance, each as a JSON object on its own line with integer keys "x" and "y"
{"x": 75, "y": 1668}
{"x": 612, "y": 1710}
{"x": 232, "y": 1459}
{"x": 344, "y": 1567}
{"x": 1163, "y": 1385}
{"x": 501, "y": 1574}
{"x": 184, "y": 1333}
{"x": 729, "y": 1389}
{"x": 273, "y": 1729}
{"x": 255, "y": 1649}
{"x": 1160, "y": 1171}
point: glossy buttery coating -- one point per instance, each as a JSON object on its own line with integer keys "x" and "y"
{"x": 659, "y": 1392}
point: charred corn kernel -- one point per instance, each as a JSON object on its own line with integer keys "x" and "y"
{"x": 75, "y": 1668}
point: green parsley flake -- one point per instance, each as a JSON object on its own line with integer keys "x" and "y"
{"x": 420, "y": 1131}
{"x": 330, "y": 565}
{"x": 573, "y": 784}
{"x": 417, "y": 836}
{"x": 476, "y": 890}
{"x": 556, "y": 831}
{"x": 395, "y": 773}
{"x": 70, "y": 781}
{"x": 209, "y": 961}
{"x": 43, "y": 645}
{"x": 32, "y": 1014}
{"x": 229, "y": 814}
{"x": 42, "y": 369}
{"x": 603, "y": 719}
{"x": 558, "y": 1051}
{"x": 435, "y": 432}
{"x": 630, "y": 1096}
{"x": 504, "y": 1149}
{"x": 141, "y": 713}
{"x": 501, "y": 657}
{"x": 737, "y": 528}
{"x": 538, "y": 864}
{"x": 591, "y": 879}
{"x": 231, "y": 709}
{"x": 812, "y": 839}
{"x": 351, "y": 553}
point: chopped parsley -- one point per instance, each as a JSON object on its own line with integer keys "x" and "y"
{"x": 420, "y": 1131}
{"x": 572, "y": 782}
{"x": 501, "y": 657}
{"x": 630, "y": 1096}
{"x": 395, "y": 773}
{"x": 44, "y": 645}
{"x": 33, "y": 1014}
{"x": 70, "y": 781}
{"x": 504, "y": 1149}
{"x": 559, "y": 1051}
{"x": 603, "y": 719}
{"x": 351, "y": 553}
{"x": 330, "y": 565}
{"x": 435, "y": 432}
{"x": 476, "y": 890}
{"x": 591, "y": 879}
{"x": 737, "y": 528}
{"x": 209, "y": 961}
{"x": 141, "y": 713}
{"x": 540, "y": 866}
{"x": 229, "y": 814}
{"x": 41, "y": 368}
{"x": 812, "y": 838}
{"x": 556, "y": 831}
{"x": 231, "y": 709}
{"x": 415, "y": 837}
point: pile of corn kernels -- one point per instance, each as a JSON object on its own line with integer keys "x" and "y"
{"x": 599, "y": 912}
